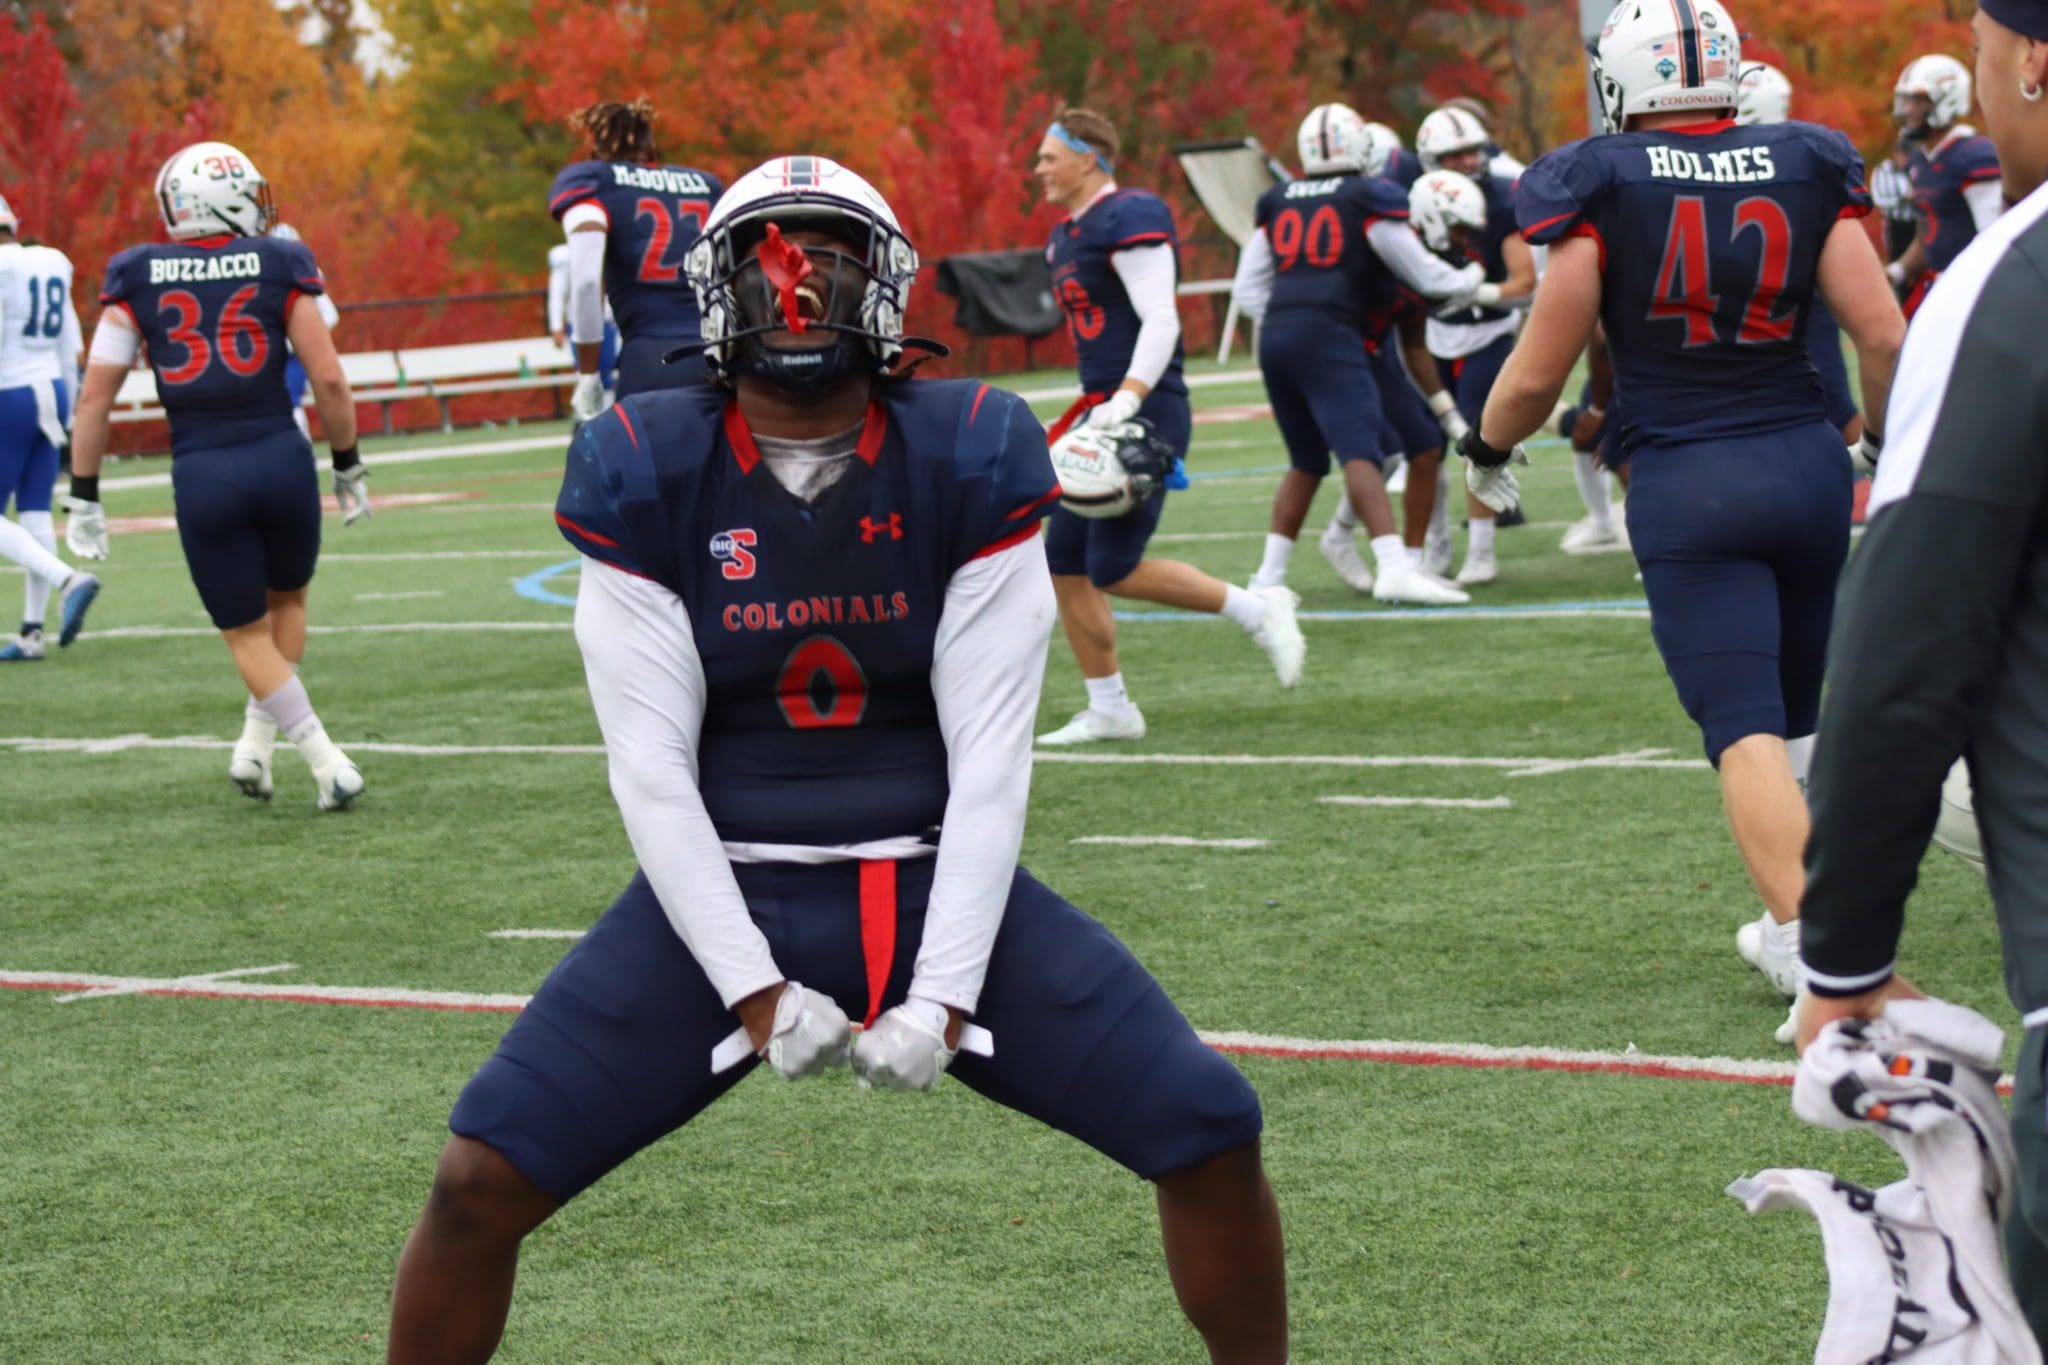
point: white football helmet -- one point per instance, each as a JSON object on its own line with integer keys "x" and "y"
{"x": 210, "y": 188}
{"x": 1666, "y": 56}
{"x": 1442, "y": 200}
{"x": 1446, "y": 132}
{"x": 7, "y": 218}
{"x": 1333, "y": 141}
{"x": 285, "y": 232}
{"x": 1943, "y": 80}
{"x": 1381, "y": 144}
{"x": 746, "y": 289}
{"x": 1763, "y": 95}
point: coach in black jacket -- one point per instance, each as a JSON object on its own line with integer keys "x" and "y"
{"x": 1941, "y": 638}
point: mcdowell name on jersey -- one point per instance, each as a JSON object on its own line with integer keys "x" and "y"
{"x": 660, "y": 179}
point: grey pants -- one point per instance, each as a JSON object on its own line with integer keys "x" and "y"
{"x": 2026, "y": 1233}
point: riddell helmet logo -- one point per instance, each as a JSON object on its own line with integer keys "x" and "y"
{"x": 730, "y": 548}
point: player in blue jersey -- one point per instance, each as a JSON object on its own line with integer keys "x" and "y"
{"x": 39, "y": 347}
{"x": 1955, "y": 176}
{"x": 630, "y": 220}
{"x": 821, "y": 586}
{"x": 1323, "y": 275}
{"x": 217, "y": 306}
{"x": 1699, "y": 246}
{"x": 1115, "y": 269}
{"x": 1471, "y": 218}
{"x": 1765, "y": 96}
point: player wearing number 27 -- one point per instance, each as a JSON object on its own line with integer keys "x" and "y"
{"x": 1700, "y": 246}
{"x": 630, "y": 219}
{"x": 216, "y": 305}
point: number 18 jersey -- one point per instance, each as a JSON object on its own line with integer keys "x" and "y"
{"x": 653, "y": 213}
{"x": 212, "y": 312}
{"x": 35, "y": 291}
{"x": 1710, "y": 236}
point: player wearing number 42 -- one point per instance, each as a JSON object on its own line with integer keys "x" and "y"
{"x": 838, "y": 806}
{"x": 1700, "y": 245}
{"x": 216, "y": 306}
{"x": 630, "y": 220}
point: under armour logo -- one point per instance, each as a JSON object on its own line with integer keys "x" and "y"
{"x": 870, "y": 528}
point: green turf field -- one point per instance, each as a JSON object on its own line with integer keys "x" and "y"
{"x": 185, "y": 1178}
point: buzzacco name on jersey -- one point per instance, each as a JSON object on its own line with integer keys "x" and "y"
{"x": 193, "y": 269}
{"x": 659, "y": 178}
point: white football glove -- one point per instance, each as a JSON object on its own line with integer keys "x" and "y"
{"x": 1494, "y": 485}
{"x": 905, "y": 1049}
{"x": 810, "y": 1035}
{"x": 1115, "y": 410}
{"x": 85, "y": 530}
{"x": 1863, "y": 455}
{"x": 588, "y": 399}
{"x": 352, "y": 493}
{"x": 1448, "y": 417}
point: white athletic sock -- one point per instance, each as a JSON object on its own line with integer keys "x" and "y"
{"x": 1440, "y": 513}
{"x": 1800, "y": 751}
{"x": 259, "y": 731}
{"x": 1345, "y": 518}
{"x": 1107, "y": 695}
{"x": 1480, "y": 539}
{"x": 1391, "y": 555}
{"x": 1248, "y": 609}
{"x": 21, "y": 547}
{"x": 35, "y": 592}
{"x": 1273, "y": 568}
{"x": 1593, "y": 490}
{"x": 292, "y": 709}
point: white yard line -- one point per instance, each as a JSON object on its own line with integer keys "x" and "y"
{"x": 535, "y": 933}
{"x": 1168, "y": 841}
{"x": 203, "y": 978}
{"x": 399, "y": 596}
{"x": 1435, "y": 802}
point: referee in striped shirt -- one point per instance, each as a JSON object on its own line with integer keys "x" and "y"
{"x": 1941, "y": 635}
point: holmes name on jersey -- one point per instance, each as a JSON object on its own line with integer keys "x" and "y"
{"x": 659, "y": 178}
{"x": 1742, "y": 166}
{"x": 802, "y": 612}
{"x": 196, "y": 269}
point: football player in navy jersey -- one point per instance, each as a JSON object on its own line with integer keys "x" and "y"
{"x": 1387, "y": 159}
{"x": 1115, "y": 268}
{"x": 1323, "y": 275}
{"x": 1471, "y": 343}
{"x": 1765, "y": 96}
{"x": 1955, "y": 176}
{"x": 216, "y": 306}
{"x": 630, "y": 220}
{"x": 1699, "y": 246}
{"x": 822, "y": 587}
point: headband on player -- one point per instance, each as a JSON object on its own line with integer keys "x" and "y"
{"x": 1059, "y": 131}
{"x": 2029, "y": 18}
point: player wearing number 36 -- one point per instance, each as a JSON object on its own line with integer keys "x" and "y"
{"x": 1700, "y": 245}
{"x": 813, "y": 615}
{"x": 216, "y": 305}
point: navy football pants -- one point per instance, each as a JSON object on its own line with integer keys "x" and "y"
{"x": 614, "y": 1051}
{"x": 1108, "y": 548}
{"x": 249, "y": 523}
{"x": 1406, "y": 423}
{"x": 1324, "y": 394}
{"x": 1741, "y": 541}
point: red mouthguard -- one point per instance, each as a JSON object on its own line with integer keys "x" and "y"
{"x": 785, "y": 266}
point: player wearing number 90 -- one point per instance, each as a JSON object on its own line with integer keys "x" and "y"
{"x": 813, "y": 614}
{"x": 215, "y": 305}
{"x": 630, "y": 220}
{"x": 1700, "y": 246}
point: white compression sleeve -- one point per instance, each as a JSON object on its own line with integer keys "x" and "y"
{"x": 987, "y": 666}
{"x": 586, "y": 286}
{"x": 1420, "y": 268}
{"x": 115, "y": 341}
{"x": 1253, "y": 287}
{"x": 69, "y": 344}
{"x": 558, "y": 287}
{"x": 647, "y": 686}
{"x": 1986, "y": 199}
{"x": 1149, "y": 275}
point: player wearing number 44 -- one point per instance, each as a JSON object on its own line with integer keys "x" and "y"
{"x": 215, "y": 305}
{"x": 1700, "y": 246}
{"x": 630, "y": 219}
{"x": 813, "y": 616}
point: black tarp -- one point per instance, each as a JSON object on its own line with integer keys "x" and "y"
{"x": 1001, "y": 293}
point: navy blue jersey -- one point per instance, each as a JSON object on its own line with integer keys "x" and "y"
{"x": 1939, "y": 179}
{"x": 653, "y": 214}
{"x": 1404, "y": 168}
{"x": 1322, "y": 262}
{"x": 1485, "y": 247}
{"x": 1100, "y": 317}
{"x": 815, "y": 624}
{"x": 212, "y": 312}
{"x": 1709, "y": 239}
